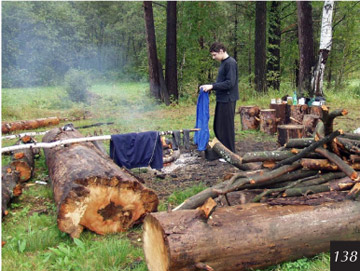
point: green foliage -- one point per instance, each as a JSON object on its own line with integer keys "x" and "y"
{"x": 76, "y": 85}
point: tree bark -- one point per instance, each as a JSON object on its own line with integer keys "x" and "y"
{"x": 171, "y": 58}
{"x": 268, "y": 121}
{"x": 248, "y": 117}
{"x": 8, "y": 127}
{"x": 260, "y": 47}
{"x": 91, "y": 191}
{"x": 282, "y": 113}
{"x": 325, "y": 47}
{"x": 154, "y": 76}
{"x": 310, "y": 122}
{"x": 306, "y": 46}
{"x": 273, "y": 66}
{"x": 297, "y": 113}
{"x": 289, "y": 131}
{"x": 10, "y": 186}
{"x": 248, "y": 236}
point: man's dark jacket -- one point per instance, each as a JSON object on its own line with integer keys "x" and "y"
{"x": 226, "y": 85}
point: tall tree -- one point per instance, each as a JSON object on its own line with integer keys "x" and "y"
{"x": 171, "y": 59}
{"x": 324, "y": 50}
{"x": 154, "y": 76}
{"x": 273, "y": 65}
{"x": 260, "y": 46}
{"x": 306, "y": 46}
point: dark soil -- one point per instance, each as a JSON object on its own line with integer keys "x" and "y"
{"x": 194, "y": 169}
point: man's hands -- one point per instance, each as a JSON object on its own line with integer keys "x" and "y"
{"x": 206, "y": 88}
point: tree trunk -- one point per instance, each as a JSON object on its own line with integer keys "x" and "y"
{"x": 91, "y": 191}
{"x": 268, "y": 122}
{"x": 306, "y": 46}
{"x": 325, "y": 47}
{"x": 154, "y": 76}
{"x": 8, "y": 127}
{"x": 171, "y": 59}
{"x": 282, "y": 113}
{"x": 273, "y": 66}
{"x": 248, "y": 236}
{"x": 288, "y": 131}
{"x": 248, "y": 117}
{"x": 260, "y": 47}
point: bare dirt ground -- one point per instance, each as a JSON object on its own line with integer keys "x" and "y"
{"x": 192, "y": 168}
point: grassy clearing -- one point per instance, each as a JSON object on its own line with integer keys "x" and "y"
{"x": 33, "y": 241}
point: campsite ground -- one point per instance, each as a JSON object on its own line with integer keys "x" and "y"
{"x": 32, "y": 239}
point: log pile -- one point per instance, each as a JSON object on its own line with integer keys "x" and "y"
{"x": 261, "y": 212}
{"x": 91, "y": 191}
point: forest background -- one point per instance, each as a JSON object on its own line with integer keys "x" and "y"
{"x": 43, "y": 41}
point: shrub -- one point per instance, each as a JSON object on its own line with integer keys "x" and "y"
{"x": 76, "y": 84}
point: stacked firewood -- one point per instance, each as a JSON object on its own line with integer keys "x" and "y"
{"x": 282, "y": 205}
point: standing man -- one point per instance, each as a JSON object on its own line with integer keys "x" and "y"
{"x": 227, "y": 93}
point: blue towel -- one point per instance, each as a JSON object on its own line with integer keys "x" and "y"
{"x": 137, "y": 150}
{"x": 201, "y": 137}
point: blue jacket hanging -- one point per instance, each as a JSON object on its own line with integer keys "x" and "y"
{"x": 201, "y": 137}
{"x": 137, "y": 150}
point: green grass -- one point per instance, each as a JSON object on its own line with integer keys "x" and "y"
{"x": 33, "y": 241}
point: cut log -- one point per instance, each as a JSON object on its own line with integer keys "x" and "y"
{"x": 268, "y": 121}
{"x": 231, "y": 157}
{"x": 310, "y": 122}
{"x": 289, "y": 131}
{"x": 10, "y": 186}
{"x": 8, "y": 127}
{"x": 246, "y": 236}
{"x": 282, "y": 113}
{"x": 248, "y": 117}
{"x": 348, "y": 170}
{"x": 23, "y": 161}
{"x": 297, "y": 112}
{"x": 91, "y": 191}
{"x": 328, "y": 119}
{"x": 309, "y": 149}
{"x": 299, "y": 142}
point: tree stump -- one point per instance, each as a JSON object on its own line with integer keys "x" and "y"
{"x": 247, "y": 236}
{"x": 282, "y": 113}
{"x": 248, "y": 117}
{"x": 268, "y": 121}
{"x": 317, "y": 110}
{"x": 288, "y": 131}
{"x": 91, "y": 191}
{"x": 297, "y": 113}
{"x": 310, "y": 121}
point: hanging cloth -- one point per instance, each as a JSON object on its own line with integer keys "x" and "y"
{"x": 201, "y": 137}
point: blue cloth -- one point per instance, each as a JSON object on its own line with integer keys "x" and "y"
{"x": 201, "y": 137}
{"x": 137, "y": 150}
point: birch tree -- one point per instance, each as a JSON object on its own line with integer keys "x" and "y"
{"x": 324, "y": 50}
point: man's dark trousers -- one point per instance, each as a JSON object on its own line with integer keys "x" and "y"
{"x": 224, "y": 126}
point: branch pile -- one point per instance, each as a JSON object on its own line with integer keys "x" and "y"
{"x": 310, "y": 181}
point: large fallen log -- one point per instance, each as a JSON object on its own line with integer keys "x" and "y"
{"x": 8, "y": 127}
{"x": 246, "y": 236}
{"x": 91, "y": 191}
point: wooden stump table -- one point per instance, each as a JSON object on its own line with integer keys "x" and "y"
{"x": 268, "y": 122}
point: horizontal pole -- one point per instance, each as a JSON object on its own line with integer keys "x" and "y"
{"x": 48, "y": 145}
